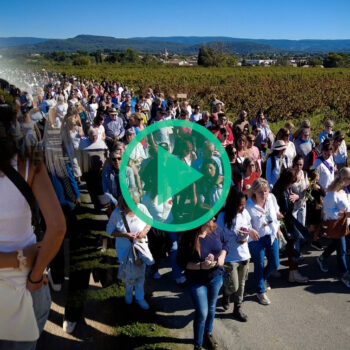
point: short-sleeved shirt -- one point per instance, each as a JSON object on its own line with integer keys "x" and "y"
{"x": 264, "y": 220}
{"x": 116, "y": 223}
{"x": 236, "y": 251}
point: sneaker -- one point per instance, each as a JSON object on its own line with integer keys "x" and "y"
{"x": 210, "y": 341}
{"x": 238, "y": 314}
{"x": 157, "y": 275}
{"x": 69, "y": 326}
{"x": 346, "y": 279}
{"x": 56, "y": 287}
{"x": 143, "y": 304}
{"x": 295, "y": 276}
{"x": 316, "y": 245}
{"x": 197, "y": 347}
{"x": 263, "y": 299}
{"x": 267, "y": 285}
{"x": 322, "y": 263}
{"x": 180, "y": 280}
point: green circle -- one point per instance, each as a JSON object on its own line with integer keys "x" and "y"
{"x": 226, "y": 172}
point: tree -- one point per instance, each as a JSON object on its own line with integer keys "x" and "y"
{"x": 336, "y": 60}
{"x": 208, "y": 57}
{"x": 81, "y": 61}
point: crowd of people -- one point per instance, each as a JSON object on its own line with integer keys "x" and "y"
{"x": 287, "y": 192}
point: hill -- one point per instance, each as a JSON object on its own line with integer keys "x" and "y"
{"x": 305, "y": 45}
{"x": 93, "y": 43}
{"x": 175, "y": 44}
{"x": 17, "y": 41}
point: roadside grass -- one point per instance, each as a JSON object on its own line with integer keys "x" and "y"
{"x": 133, "y": 328}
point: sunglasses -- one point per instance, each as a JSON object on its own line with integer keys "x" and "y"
{"x": 116, "y": 159}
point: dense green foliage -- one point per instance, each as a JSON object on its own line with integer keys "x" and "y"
{"x": 209, "y": 57}
{"x": 336, "y": 59}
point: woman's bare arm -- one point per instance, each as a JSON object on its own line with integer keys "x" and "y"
{"x": 55, "y": 225}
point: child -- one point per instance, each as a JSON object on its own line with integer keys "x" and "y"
{"x": 315, "y": 195}
{"x": 236, "y": 227}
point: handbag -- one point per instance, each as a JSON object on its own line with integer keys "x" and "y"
{"x": 337, "y": 228}
{"x": 137, "y": 260}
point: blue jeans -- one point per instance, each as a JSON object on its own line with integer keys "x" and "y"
{"x": 339, "y": 245}
{"x": 204, "y": 297}
{"x": 41, "y": 304}
{"x": 258, "y": 250}
{"x": 176, "y": 270}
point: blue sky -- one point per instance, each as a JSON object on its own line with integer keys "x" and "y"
{"x": 271, "y": 19}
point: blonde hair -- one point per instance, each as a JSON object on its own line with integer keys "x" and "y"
{"x": 339, "y": 182}
{"x": 258, "y": 184}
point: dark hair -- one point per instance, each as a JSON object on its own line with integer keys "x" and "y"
{"x": 272, "y": 155}
{"x": 7, "y": 143}
{"x": 207, "y": 162}
{"x": 326, "y": 145}
{"x": 296, "y": 159}
{"x": 229, "y": 150}
{"x": 232, "y": 203}
{"x": 282, "y": 134}
{"x": 312, "y": 174}
{"x": 287, "y": 178}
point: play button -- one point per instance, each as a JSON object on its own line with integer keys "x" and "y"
{"x": 170, "y": 167}
{"x": 179, "y": 171}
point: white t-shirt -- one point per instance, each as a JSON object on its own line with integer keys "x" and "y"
{"x": 236, "y": 252}
{"x": 341, "y": 155}
{"x": 62, "y": 110}
{"x": 116, "y": 222}
{"x": 159, "y": 212}
{"x": 264, "y": 220}
{"x": 101, "y": 131}
{"x": 334, "y": 202}
{"x": 93, "y": 110}
{"x": 326, "y": 177}
{"x": 290, "y": 153}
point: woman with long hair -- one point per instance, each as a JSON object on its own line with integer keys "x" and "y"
{"x": 336, "y": 210}
{"x": 235, "y": 223}
{"x": 249, "y": 175}
{"x": 128, "y": 228}
{"x": 284, "y": 135}
{"x": 242, "y": 148}
{"x": 264, "y": 212}
{"x": 276, "y": 162}
{"x": 24, "y": 309}
{"x": 340, "y": 152}
{"x": 295, "y": 232}
{"x": 298, "y": 190}
{"x": 202, "y": 253}
{"x": 325, "y": 164}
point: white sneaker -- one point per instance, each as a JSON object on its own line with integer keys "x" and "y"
{"x": 56, "y": 287}
{"x": 181, "y": 280}
{"x": 143, "y": 304}
{"x": 263, "y": 299}
{"x": 68, "y": 326}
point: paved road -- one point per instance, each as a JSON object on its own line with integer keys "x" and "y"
{"x": 312, "y": 316}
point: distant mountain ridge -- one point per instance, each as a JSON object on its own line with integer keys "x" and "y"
{"x": 175, "y": 44}
{"x": 93, "y": 43}
{"x": 303, "y": 45}
{"x": 17, "y": 41}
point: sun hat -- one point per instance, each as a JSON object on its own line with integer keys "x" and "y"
{"x": 279, "y": 145}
